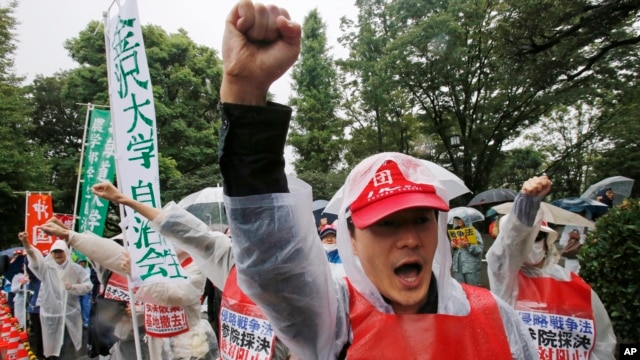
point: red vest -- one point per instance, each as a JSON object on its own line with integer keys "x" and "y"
{"x": 558, "y": 314}
{"x": 478, "y": 335}
{"x": 245, "y": 332}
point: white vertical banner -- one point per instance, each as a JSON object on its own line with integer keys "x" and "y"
{"x": 153, "y": 259}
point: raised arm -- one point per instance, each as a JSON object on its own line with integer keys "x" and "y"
{"x": 108, "y": 191}
{"x": 36, "y": 260}
{"x": 281, "y": 265}
{"x": 211, "y": 250}
{"x": 260, "y": 44}
{"x": 515, "y": 239}
{"x": 104, "y": 252}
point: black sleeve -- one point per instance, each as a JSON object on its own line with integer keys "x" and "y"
{"x": 251, "y": 149}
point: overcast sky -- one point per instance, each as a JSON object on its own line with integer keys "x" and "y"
{"x": 44, "y": 25}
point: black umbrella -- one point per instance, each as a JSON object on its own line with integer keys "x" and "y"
{"x": 493, "y": 196}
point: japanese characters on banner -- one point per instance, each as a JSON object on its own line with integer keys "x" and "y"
{"x": 134, "y": 122}
{"x": 39, "y": 210}
{"x": 245, "y": 337}
{"x": 460, "y": 235}
{"x": 560, "y": 337}
{"x": 117, "y": 289}
{"x": 66, "y": 219}
{"x": 99, "y": 165}
{"x": 164, "y": 321}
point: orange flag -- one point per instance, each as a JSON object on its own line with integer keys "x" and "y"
{"x": 39, "y": 210}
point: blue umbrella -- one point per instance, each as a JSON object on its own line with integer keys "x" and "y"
{"x": 577, "y": 205}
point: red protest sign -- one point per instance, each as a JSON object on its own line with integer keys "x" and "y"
{"x": 39, "y": 210}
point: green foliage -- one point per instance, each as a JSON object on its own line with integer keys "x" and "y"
{"x": 58, "y": 129}
{"x": 324, "y": 185}
{"x": 610, "y": 260}
{"x": 516, "y": 166}
{"x": 22, "y": 165}
{"x": 486, "y": 71}
{"x": 620, "y": 150}
{"x": 383, "y": 115}
{"x": 316, "y": 131}
{"x": 7, "y": 42}
{"x": 41, "y": 132}
{"x": 185, "y": 77}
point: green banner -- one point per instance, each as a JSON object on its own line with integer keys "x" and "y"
{"x": 99, "y": 165}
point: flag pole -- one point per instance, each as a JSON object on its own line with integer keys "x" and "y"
{"x": 132, "y": 302}
{"x": 84, "y": 144}
{"x": 26, "y": 213}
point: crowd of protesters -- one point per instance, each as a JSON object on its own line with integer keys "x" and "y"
{"x": 377, "y": 283}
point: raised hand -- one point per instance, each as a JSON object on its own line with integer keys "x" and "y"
{"x": 57, "y": 221}
{"x": 537, "y": 186}
{"x": 108, "y": 191}
{"x": 55, "y": 227}
{"x": 24, "y": 239}
{"x": 260, "y": 44}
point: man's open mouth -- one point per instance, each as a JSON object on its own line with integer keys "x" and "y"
{"x": 409, "y": 272}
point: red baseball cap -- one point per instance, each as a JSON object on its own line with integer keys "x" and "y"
{"x": 390, "y": 191}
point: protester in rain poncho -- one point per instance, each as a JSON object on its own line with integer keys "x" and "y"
{"x": 523, "y": 270}
{"x": 19, "y": 286}
{"x": 579, "y": 232}
{"x": 199, "y": 341}
{"x": 62, "y": 282}
{"x": 113, "y": 327}
{"x": 283, "y": 268}
{"x": 211, "y": 252}
{"x": 467, "y": 258}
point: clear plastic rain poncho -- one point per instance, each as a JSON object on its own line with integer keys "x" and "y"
{"x": 451, "y": 297}
{"x": 509, "y": 254}
{"x": 210, "y": 250}
{"x": 197, "y": 343}
{"x": 20, "y": 299}
{"x": 283, "y": 268}
{"x": 55, "y": 312}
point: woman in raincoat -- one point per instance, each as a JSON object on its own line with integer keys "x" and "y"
{"x": 565, "y": 317}
{"x": 62, "y": 281}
